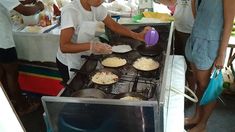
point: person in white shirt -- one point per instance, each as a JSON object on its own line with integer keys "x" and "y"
{"x": 184, "y": 21}
{"x": 78, "y": 24}
{"x": 8, "y": 56}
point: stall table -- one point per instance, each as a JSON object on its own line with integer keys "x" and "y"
{"x": 36, "y": 46}
{"x": 37, "y": 54}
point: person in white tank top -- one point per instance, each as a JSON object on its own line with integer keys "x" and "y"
{"x": 184, "y": 21}
{"x": 78, "y": 24}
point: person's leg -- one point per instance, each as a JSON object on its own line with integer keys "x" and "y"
{"x": 9, "y": 76}
{"x": 202, "y": 77}
{"x": 202, "y": 113}
{"x": 22, "y": 106}
{"x": 192, "y": 121}
{"x": 206, "y": 112}
{"x": 180, "y": 42}
{"x": 63, "y": 69}
{"x": 13, "y": 85}
{"x": 9, "y": 65}
{"x": 3, "y": 80}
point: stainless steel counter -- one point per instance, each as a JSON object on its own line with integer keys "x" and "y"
{"x": 174, "y": 106}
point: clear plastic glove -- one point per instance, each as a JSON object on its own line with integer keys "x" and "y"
{"x": 97, "y": 47}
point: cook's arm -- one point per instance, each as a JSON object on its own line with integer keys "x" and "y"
{"x": 122, "y": 30}
{"x": 66, "y": 46}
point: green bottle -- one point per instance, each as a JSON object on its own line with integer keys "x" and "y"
{"x": 226, "y": 85}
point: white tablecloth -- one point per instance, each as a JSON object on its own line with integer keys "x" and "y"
{"x": 41, "y": 46}
{"x": 174, "y": 102}
{"x": 36, "y": 46}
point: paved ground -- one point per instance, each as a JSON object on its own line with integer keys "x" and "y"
{"x": 223, "y": 117}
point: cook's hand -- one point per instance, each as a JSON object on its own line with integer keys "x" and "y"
{"x": 146, "y": 29}
{"x": 219, "y": 62}
{"x": 100, "y": 48}
{"x": 142, "y": 33}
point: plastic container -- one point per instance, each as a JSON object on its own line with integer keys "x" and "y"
{"x": 31, "y": 20}
{"x": 151, "y": 37}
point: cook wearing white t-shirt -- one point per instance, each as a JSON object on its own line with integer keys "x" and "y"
{"x": 78, "y": 24}
{"x": 8, "y": 56}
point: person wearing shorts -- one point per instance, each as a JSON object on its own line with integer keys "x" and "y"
{"x": 206, "y": 50}
{"x": 8, "y": 56}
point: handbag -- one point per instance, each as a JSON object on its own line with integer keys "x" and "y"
{"x": 214, "y": 88}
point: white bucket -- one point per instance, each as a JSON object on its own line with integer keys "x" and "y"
{"x": 31, "y": 20}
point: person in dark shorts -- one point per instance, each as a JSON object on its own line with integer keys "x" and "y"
{"x": 8, "y": 56}
{"x": 184, "y": 21}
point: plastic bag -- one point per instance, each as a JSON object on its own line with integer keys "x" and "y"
{"x": 214, "y": 88}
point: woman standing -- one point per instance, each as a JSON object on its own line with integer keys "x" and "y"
{"x": 206, "y": 49}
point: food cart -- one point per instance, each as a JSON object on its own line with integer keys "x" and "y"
{"x": 66, "y": 112}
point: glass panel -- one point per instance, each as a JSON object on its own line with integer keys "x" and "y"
{"x": 90, "y": 117}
